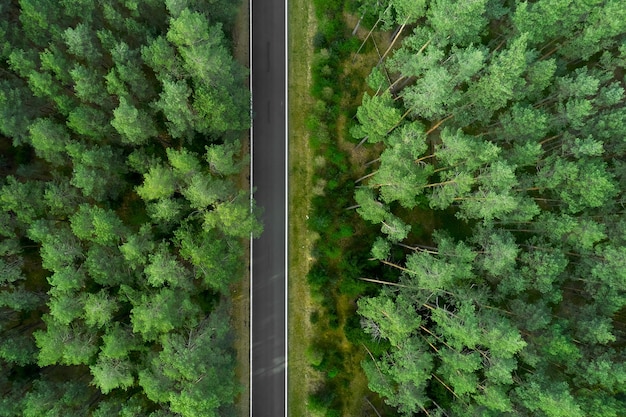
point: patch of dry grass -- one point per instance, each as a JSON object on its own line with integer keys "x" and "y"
{"x": 240, "y": 292}
{"x": 302, "y": 377}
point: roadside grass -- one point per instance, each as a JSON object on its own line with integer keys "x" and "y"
{"x": 302, "y": 378}
{"x": 338, "y": 345}
{"x": 328, "y": 245}
{"x": 325, "y": 376}
{"x": 358, "y": 399}
{"x": 240, "y": 291}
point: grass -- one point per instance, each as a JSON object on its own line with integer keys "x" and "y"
{"x": 240, "y": 292}
{"x": 317, "y": 165}
{"x": 304, "y": 160}
{"x": 301, "y": 376}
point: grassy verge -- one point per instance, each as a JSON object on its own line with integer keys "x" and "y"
{"x": 324, "y": 367}
{"x": 240, "y": 292}
{"x": 301, "y": 377}
{"x": 327, "y": 343}
{"x": 328, "y": 243}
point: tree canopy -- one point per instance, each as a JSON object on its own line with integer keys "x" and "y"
{"x": 123, "y": 219}
{"x": 505, "y": 115}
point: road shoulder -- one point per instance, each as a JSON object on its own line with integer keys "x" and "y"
{"x": 240, "y": 291}
{"x": 301, "y": 375}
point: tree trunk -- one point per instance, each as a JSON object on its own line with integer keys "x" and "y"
{"x": 419, "y": 249}
{"x": 406, "y": 113}
{"x": 394, "y": 39}
{"x": 370, "y": 32}
{"x": 356, "y": 28}
{"x": 361, "y": 143}
{"x": 365, "y": 40}
{"x": 372, "y": 162}
{"x": 372, "y": 405}
{"x": 376, "y": 281}
{"x": 396, "y": 266}
{"x": 546, "y": 140}
{"x": 418, "y": 52}
{"x": 402, "y": 77}
{"x": 438, "y": 124}
{"x": 365, "y": 177}
{"x": 448, "y": 388}
{"x": 418, "y": 160}
{"x": 553, "y": 50}
{"x": 439, "y": 183}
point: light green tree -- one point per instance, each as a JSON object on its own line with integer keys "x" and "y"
{"x": 134, "y": 125}
{"x": 109, "y": 374}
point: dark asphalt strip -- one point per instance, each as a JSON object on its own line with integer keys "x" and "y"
{"x": 268, "y": 310}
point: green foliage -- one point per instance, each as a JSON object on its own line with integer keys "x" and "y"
{"x": 235, "y": 218}
{"x": 88, "y": 85}
{"x": 184, "y": 163}
{"x": 97, "y": 171}
{"x": 216, "y": 259}
{"x": 61, "y": 344}
{"x": 109, "y": 374}
{"x": 59, "y": 250}
{"x": 222, "y": 158}
{"x": 164, "y": 270}
{"x": 82, "y": 43}
{"x": 377, "y": 117}
{"x": 96, "y": 224}
{"x": 203, "y": 191}
{"x": 106, "y": 265}
{"x": 90, "y": 122}
{"x": 174, "y": 104}
{"x": 137, "y": 247}
{"x": 369, "y": 207}
{"x": 23, "y": 199}
{"x": 105, "y": 110}
{"x": 161, "y": 311}
{"x": 194, "y": 372}
{"x": 517, "y": 313}
{"x": 51, "y": 398}
{"x": 18, "y": 349}
{"x": 159, "y": 182}
{"x": 392, "y": 321}
{"x": 15, "y": 119}
{"x": 118, "y": 342}
{"x": 49, "y": 140}
{"x": 315, "y": 355}
{"x": 462, "y": 23}
{"x": 135, "y": 126}
{"x": 395, "y": 229}
{"x": 99, "y": 309}
{"x": 64, "y": 307}
{"x": 61, "y": 197}
{"x": 20, "y": 299}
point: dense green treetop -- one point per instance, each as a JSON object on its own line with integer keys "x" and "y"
{"x": 509, "y": 116}
{"x": 122, "y": 218}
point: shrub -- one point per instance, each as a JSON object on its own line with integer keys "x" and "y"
{"x": 314, "y": 355}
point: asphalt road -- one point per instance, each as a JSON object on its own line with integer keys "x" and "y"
{"x": 268, "y": 252}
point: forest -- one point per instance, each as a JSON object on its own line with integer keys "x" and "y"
{"x": 124, "y": 211}
{"x": 475, "y": 262}
{"x": 507, "y": 119}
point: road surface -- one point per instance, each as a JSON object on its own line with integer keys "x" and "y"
{"x": 268, "y": 368}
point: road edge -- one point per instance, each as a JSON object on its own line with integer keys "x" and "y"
{"x": 287, "y": 205}
{"x": 240, "y": 308}
{"x": 300, "y": 53}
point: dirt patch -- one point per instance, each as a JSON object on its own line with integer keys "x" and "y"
{"x": 241, "y": 35}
